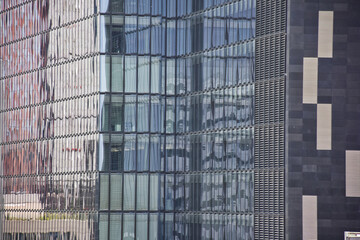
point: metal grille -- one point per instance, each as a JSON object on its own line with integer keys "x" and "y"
{"x": 270, "y": 53}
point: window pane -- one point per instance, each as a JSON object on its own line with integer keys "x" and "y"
{"x": 117, "y": 160}
{"x": 153, "y": 227}
{"x": 115, "y": 226}
{"x": 143, "y": 74}
{"x": 130, "y": 113}
{"x": 143, "y": 114}
{"x": 115, "y": 193}
{"x": 154, "y": 192}
{"x": 143, "y": 152}
{"x": 144, "y": 34}
{"x": 130, "y": 74}
{"x": 156, "y": 78}
{"x": 104, "y": 152}
{"x": 118, "y": 34}
{"x": 129, "y": 152}
{"x": 129, "y": 192}
{"x": 116, "y": 113}
{"x": 103, "y": 226}
{"x": 169, "y": 192}
{"x": 117, "y": 6}
{"x": 117, "y": 74}
{"x": 131, "y": 34}
{"x": 157, "y": 114}
{"x": 155, "y": 153}
{"x": 104, "y": 34}
{"x": 104, "y": 192}
{"x": 141, "y": 226}
{"x": 104, "y": 73}
{"x": 142, "y": 192}
{"x": 130, "y": 6}
{"x": 129, "y": 226}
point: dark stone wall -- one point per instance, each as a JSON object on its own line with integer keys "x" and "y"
{"x": 310, "y": 171}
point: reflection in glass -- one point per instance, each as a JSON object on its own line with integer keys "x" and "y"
{"x": 116, "y": 153}
{"x": 104, "y": 33}
{"x": 115, "y": 226}
{"x": 117, "y": 6}
{"x": 129, "y": 192}
{"x": 143, "y": 74}
{"x": 143, "y": 152}
{"x": 129, "y": 152}
{"x": 116, "y": 113}
{"x": 104, "y": 192}
{"x": 104, "y": 73}
{"x": 143, "y": 114}
{"x": 130, "y": 113}
{"x": 142, "y": 192}
{"x": 130, "y": 74}
{"x": 118, "y": 34}
{"x": 103, "y": 226}
{"x": 116, "y": 192}
{"x": 117, "y": 74}
{"x": 141, "y": 226}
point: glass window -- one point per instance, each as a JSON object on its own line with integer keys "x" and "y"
{"x": 170, "y": 153}
{"x": 171, "y": 38}
{"x": 118, "y": 34}
{"x": 117, "y": 6}
{"x": 131, "y": 34}
{"x": 130, "y": 114}
{"x": 116, "y": 113}
{"x": 103, "y": 226}
{"x": 130, "y": 6}
{"x": 143, "y": 114}
{"x": 143, "y": 74}
{"x": 130, "y": 74}
{"x": 155, "y": 153}
{"x": 154, "y": 192}
{"x": 142, "y": 192}
{"x": 115, "y": 226}
{"x": 104, "y": 73}
{"x": 104, "y": 110}
{"x": 104, "y": 34}
{"x": 143, "y": 152}
{"x": 116, "y": 192}
{"x": 154, "y": 227}
{"x": 157, "y": 114}
{"x": 104, "y": 191}
{"x": 170, "y": 115}
{"x": 104, "y": 6}
{"x": 117, "y": 74}
{"x": 170, "y": 76}
{"x": 117, "y": 160}
{"x": 156, "y": 35}
{"x": 169, "y": 192}
{"x": 104, "y": 157}
{"x": 144, "y": 34}
{"x": 157, "y": 84}
{"x": 141, "y": 226}
{"x": 129, "y": 152}
{"x": 129, "y": 192}
{"x": 129, "y": 226}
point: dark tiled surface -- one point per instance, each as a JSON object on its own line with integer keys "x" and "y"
{"x": 309, "y": 171}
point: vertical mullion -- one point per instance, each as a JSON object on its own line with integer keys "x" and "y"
{"x": 149, "y": 126}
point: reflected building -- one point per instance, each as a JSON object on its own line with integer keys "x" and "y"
{"x": 166, "y": 119}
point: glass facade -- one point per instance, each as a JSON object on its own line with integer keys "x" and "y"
{"x": 49, "y": 105}
{"x": 176, "y": 146}
{"x": 127, "y": 119}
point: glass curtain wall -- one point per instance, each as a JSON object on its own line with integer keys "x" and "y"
{"x": 177, "y": 95}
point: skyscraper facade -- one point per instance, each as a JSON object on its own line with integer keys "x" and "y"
{"x": 179, "y": 119}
